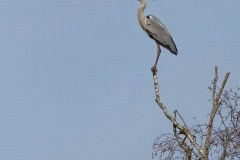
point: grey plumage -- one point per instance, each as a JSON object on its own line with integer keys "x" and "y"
{"x": 157, "y": 31}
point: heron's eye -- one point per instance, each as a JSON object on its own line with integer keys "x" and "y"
{"x": 149, "y": 17}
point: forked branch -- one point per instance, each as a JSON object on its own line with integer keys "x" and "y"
{"x": 216, "y": 103}
{"x": 172, "y": 119}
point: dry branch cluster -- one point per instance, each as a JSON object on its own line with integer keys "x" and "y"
{"x": 203, "y": 141}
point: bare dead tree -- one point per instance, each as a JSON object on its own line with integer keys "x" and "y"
{"x": 203, "y": 141}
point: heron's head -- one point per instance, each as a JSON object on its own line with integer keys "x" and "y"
{"x": 142, "y": 1}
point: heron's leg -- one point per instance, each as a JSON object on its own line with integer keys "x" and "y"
{"x": 154, "y": 68}
{"x": 158, "y": 55}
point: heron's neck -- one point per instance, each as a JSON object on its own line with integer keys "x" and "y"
{"x": 140, "y": 13}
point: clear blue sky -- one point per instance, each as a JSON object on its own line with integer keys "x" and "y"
{"x": 75, "y": 75}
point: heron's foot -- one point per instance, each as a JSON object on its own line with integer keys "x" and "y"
{"x": 154, "y": 69}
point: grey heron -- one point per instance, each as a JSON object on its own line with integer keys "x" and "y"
{"x": 157, "y": 31}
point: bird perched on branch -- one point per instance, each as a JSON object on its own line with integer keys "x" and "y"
{"x": 157, "y": 31}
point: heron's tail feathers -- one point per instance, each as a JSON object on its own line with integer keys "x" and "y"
{"x": 173, "y": 47}
{"x": 170, "y": 45}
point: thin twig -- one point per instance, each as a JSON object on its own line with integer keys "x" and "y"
{"x": 222, "y": 86}
{"x": 215, "y": 85}
{"x": 176, "y": 112}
